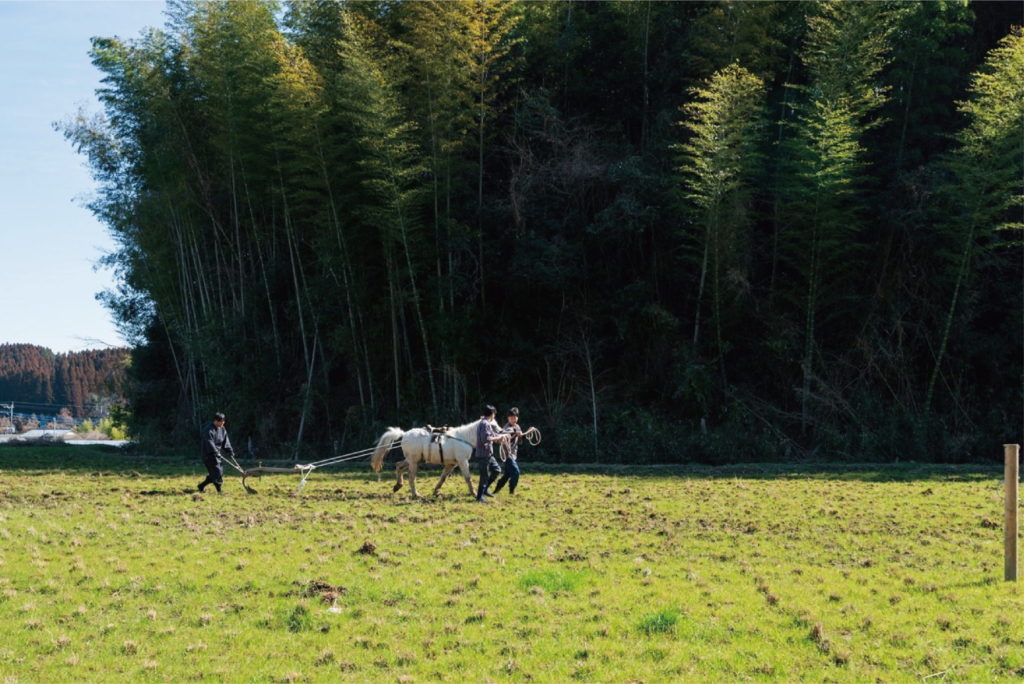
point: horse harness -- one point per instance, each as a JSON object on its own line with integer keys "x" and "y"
{"x": 438, "y": 435}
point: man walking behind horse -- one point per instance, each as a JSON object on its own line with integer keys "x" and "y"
{"x": 487, "y": 432}
{"x": 214, "y": 441}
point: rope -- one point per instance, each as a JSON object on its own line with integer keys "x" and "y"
{"x": 304, "y": 469}
{"x": 362, "y": 453}
{"x": 532, "y": 436}
{"x": 305, "y": 474}
{"x": 351, "y": 456}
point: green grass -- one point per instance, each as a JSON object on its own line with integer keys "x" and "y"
{"x": 115, "y": 570}
{"x": 662, "y": 622}
{"x": 553, "y": 580}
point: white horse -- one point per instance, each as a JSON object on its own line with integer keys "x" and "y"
{"x": 452, "y": 447}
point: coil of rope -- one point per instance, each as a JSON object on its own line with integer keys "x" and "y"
{"x": 532, "y": 436}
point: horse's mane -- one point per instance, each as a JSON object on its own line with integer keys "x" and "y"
{"x": 466, "y": 432}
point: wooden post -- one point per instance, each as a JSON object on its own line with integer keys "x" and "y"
{"x": 1011, "y": 454}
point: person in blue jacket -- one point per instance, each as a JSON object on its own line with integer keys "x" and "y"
{"x": 214, "y": 440}
{"x": 511, "y": 469}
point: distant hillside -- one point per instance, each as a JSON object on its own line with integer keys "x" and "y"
{"x": 87, "y": 382}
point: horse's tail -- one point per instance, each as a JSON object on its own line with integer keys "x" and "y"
{"x": 383, "y": 446}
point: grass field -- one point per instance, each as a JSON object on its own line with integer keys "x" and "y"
{"x": 115, "y": 570}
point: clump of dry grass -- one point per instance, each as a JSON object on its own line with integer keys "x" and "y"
{"x": 819, "y": 638}
{"x": 327, "y": 592}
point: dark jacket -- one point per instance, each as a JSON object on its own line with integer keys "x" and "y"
{"x": 484, "y": 447}
{"x": 214, "y": 440}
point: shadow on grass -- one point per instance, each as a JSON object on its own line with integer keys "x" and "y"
{"x": 129, "y": 462}
{"x": 274, "y": 493}
{"x": 966, "y": 584}
{"x": 180, "y": 491}
{"x": 855, "y": 472}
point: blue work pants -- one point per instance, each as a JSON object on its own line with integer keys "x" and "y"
{"x": 511, "y": 476}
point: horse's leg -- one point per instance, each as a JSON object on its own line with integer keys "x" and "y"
{"x": 402, "y": 465}
{"x": 464, "y": 467}
{"x": 444, "y": 476}
{"x": 412, "y": 479}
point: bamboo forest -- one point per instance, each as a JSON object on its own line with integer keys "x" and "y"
{"x": 703, "y": 232}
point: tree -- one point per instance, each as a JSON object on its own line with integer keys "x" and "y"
{"x": 845, "y": 50}
{"x": 461, "y": 55}
{"x": 391, "y": 171}
{"x": 717, "y": 162}
{"x": 926, "y": 72}
{"x": 751, "y": 33}
{"x": 988, "y": 172}
{"x": 491, "y": 37}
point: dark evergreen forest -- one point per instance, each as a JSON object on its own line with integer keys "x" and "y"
{"x": 671, "y": 231}
{"x": 86, "y": 383}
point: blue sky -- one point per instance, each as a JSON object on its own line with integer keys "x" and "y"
{"x": 49, "y": 243}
